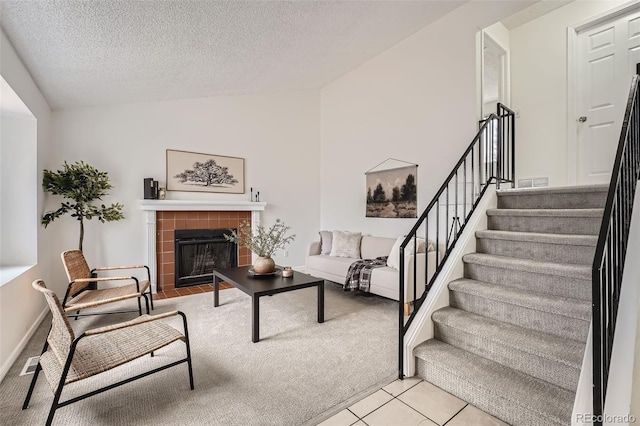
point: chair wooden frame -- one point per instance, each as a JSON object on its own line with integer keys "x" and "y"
{"x": 80, "y": 295}
{"x": 99, "y": 341}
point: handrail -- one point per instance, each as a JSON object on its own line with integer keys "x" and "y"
{"x": 493, "y": 149}
{"x": 609, "y": 260}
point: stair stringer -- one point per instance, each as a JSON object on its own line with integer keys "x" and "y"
{"x": 584, "y": 392}
{"x": 422, "y": 327}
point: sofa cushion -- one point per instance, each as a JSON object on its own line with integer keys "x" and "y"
{"x": 372, "y": 247}
{"x": 325, "y": 242}
{"x": 346, "y": 244}
{"x": 394, "y": 256}
{"x": 385, "y": 277}
{"x": 330, "y": 264}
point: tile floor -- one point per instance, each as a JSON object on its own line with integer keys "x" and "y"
{"x": 409, "y": 402}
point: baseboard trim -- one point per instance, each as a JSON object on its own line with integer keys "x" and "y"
{"x": 23, "y": 344}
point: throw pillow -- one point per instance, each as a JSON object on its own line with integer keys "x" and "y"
{"x": 325, "y": 242}
{"x": 393, "y": 260}
{"x": 346, "y": 244}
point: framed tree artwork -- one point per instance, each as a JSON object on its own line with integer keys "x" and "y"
{"x": 193, "y": 171}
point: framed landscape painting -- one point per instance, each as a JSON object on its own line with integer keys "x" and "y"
{"x": 193, "y": 171}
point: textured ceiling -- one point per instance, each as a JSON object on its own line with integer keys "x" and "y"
{"x": 87, "y": 53}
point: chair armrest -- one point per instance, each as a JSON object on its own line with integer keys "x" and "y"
{"x": 313, "y": 249}
{"x": 140, "y": 320}
{"x": 111, "y": 268}
{"x": 89, "y": 280}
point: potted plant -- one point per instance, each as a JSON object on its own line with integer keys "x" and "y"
{"x": 264, "y": 243}
{"x": 82, "y": 184}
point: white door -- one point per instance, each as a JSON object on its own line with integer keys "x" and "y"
{"x": 607, "y": 54}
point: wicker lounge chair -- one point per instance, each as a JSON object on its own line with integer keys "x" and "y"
{"x": 66, "y": 358}
{"x": 80, "y": 296}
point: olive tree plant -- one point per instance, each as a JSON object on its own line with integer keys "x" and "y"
{"x": 80, "y": 184}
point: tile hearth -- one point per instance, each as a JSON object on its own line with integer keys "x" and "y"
{"x": 185, "y": 291}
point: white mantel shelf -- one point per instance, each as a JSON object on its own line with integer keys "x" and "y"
{"x": 153, "y": 206}
{"x": 201, "y": 205}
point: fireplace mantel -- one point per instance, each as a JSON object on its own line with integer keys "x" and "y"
{"x": 201, "y": 205}
{"x": 153, "y": 206}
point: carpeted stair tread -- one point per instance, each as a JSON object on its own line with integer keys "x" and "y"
{"x": 571, "y": 308}
{"x": 577, "y": 197}
{"x": 561, "y": 248}
{"x": 536, "y": 237}
{"x": 510, "y": 395}
{"x": 550, "y": 221}
{"x": 546, "y": 212}
{"x": 554, "y": 190}
{"x": 542, "y": 355}
{"x": 528, "y": 265}
{"x": 552, "y": 278}
{"x": 564, "y": 351}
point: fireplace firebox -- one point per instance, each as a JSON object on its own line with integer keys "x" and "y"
{"x": 198, "y": 251}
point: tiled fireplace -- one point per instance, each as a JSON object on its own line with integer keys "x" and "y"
{"x": 166, "y": 216}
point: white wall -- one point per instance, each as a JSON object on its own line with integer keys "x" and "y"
{"x": 539, "y": 89}
{"x": 21, "y": 307}
{"x": 19, "y": 189}
{"x": 278, "y": 136}
{"x": 415, "y": 102}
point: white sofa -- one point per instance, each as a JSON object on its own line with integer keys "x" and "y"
{"x": 384, "y": 280}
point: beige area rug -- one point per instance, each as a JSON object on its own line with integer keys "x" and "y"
{"x": 299, "y": 369}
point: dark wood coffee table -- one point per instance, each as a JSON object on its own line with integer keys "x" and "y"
{"x": 256, "y": 287}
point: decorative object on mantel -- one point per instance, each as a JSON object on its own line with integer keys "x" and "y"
{"x": 82, "y": 184}
{"x": 256, "y": 198}
{"x": 264, "y": 243}
{"x": 392, "y": 189}
{"x": 195, "y": 172}
{"x": 150, "y": 189}
{"x": 162, "y": 193}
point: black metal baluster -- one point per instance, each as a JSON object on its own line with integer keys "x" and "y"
{"x": 464, "y": 195}
{"x": 473, "y": 176}
{"x": 456, "y": 220}
{"x": 426, "y": 259}
{"x": 499, "y": 155}
{"x": 446, "y": 227}
{"x": 512, "y": 128}
{"x": 438, "y": 234}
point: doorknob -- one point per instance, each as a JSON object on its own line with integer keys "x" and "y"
{"x": 582, "y": 119}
